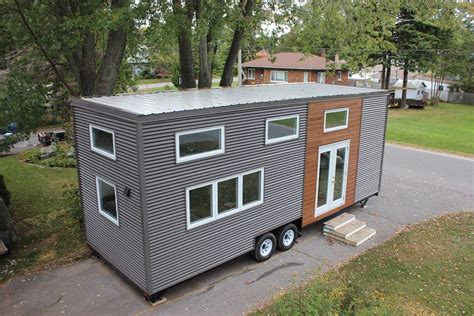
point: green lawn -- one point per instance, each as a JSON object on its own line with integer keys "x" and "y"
{"x": 46, "y": 219}
{"x": 426, "y": 269}
{"x": 148, "y": 81}
{"x": 447, "y": 127}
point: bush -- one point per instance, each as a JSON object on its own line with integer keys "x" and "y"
{"x": 31, "y": 156}
{"x": 62, "y": 157}
{"x": 4, "y": 193}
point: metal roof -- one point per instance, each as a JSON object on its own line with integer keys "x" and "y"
{"x": 176, "y": 101}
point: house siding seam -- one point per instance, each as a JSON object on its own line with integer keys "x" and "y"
{"x": 176, "y": 253}
{"x": 371, "y": 150}
{"x": 121, "y": 245}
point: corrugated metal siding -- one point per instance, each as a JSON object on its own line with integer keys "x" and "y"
{"x": 177, "y": 253}
{"x": 121, "y": 245}
{"x": 372, "y": 139}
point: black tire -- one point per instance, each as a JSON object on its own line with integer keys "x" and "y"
{"x": 287, "y": 237}
{"x": 265, "y": 247}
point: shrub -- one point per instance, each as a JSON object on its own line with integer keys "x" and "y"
{"x": 4, "y": 193}
{"x": 59, "y": 161}
{"x": 31, "y": 156}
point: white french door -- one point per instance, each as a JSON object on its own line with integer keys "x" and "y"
{"x": 332, "y": 176}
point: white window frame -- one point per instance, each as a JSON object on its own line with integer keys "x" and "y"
{"x": 99, "y": 206}
{"x": 249, "y": 70}
{"x": 306, "y": 76}
{"x": 284, "y": 71}
{"x": 214, "y": 198}
{"x": 321, "y": 77}
{"x": 211, "y": 153}
{"x": 284, "y": 138}
{"x": 332, "y": 129}
{"x": 98, "y": 150}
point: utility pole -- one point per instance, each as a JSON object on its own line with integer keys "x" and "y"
{"x": 239, "y": 65}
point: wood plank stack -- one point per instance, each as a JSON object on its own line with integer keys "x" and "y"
{"x": 347, "y": 229}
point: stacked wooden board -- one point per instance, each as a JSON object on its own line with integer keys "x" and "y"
{"x": 347, "y": 229}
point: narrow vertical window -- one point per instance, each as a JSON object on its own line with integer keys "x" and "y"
{"x": 252, "y": 188}
{"x": 227, "y": 195}
{"x": 251, "y": 74}
{"x": 107, "y": 199}
{"x": 200, "y": 203}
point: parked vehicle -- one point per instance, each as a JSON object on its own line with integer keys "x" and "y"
{"x": 176, "y": 183}
{"x": 49, "y": 136}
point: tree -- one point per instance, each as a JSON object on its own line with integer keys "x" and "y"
{"x": 246, "y": 8}
{"x": 83, "y": 42}
{"x": 184, "y": 17}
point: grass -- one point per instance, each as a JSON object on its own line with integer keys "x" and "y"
{"x": 149, "y": 81}
{"x": 426, "y": 269}
{"x": 449, "y": 127}
{"x": 48, "y": 228}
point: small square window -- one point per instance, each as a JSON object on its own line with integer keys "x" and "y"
{"x": 227, "y": 195}
{"x": 200, "y": 203}
{"x": 335, "y": 119}
{"x": 283, "y": 128}
{"x": 251, "y": 74}
{"x": 200, "y": 143}
{"x": 107, "y": 199}
{"x": 102, "y": 141}
{"x": 252, "y": 188}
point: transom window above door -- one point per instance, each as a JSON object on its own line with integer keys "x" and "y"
{"x": 336, "y": 119}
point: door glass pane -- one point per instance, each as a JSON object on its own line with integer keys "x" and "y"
{"x": 324, "y": 161}
{"x": 339, "y": 174}
{"x": 227, "y": 195}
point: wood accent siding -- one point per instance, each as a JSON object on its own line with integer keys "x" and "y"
{"x": 316, "y": 138}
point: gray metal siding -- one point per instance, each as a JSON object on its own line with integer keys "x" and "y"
{"x": 121, "y": 245}
{"x": 372, "y": 139}
{"x": 176, "y": 253}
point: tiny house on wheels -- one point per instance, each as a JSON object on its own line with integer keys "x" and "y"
{"x": 175, "y": 183}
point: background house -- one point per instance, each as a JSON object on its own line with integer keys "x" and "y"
{"x": 294, "y": 67}
{"x": 416, "y": 90}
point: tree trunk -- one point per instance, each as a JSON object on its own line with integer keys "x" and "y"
{"x": 403, "y": 104}
{"x": 227, "y": 74}
{"x": 186, "y": 64}
{"x": 388, "y": 72}
{"x": 205, "y": 75}
{"x": 382, "y": 77}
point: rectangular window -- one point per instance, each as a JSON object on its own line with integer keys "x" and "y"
{"x": 200, "y": 203}
{"x": 208, "y": 202}
{"x": 251, "y": 74}
{"x": 200, "y": 143}
{"x": 321, "y": 77}
{"x": 283, "y": 128}
{"x": 339, "y": 75}
{"x": 227, "y": 195}
{"x": 305, "y": 76}
{"x": 107, "y": 199}
{"x": 102, "y": 141}
{"x": 279, "y": 75}
{"x": 336, "y": 119}
{"x": 252, "y": 188}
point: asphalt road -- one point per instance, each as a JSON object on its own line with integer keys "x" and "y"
{"x": 416, "y": 186}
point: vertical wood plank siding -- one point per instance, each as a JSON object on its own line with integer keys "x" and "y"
{"x": 316, "y": 138}
{"x": 176, "y": 253}
{"x": 372, "y": 139}
{"x": 122, "y": 245}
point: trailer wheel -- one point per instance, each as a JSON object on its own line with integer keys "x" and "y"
{"x": 287, "y": 237}
{"x": 265, "y": 247}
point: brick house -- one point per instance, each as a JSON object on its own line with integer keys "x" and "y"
{"x": 294, "y": 67}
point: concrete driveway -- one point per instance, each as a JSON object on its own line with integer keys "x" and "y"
{"x": 417, "y": 185}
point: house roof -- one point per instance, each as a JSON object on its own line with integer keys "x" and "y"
{"x": 292, "y": 60}
{"x": 411, "y": 84}
{"x": 176, "y": 101}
